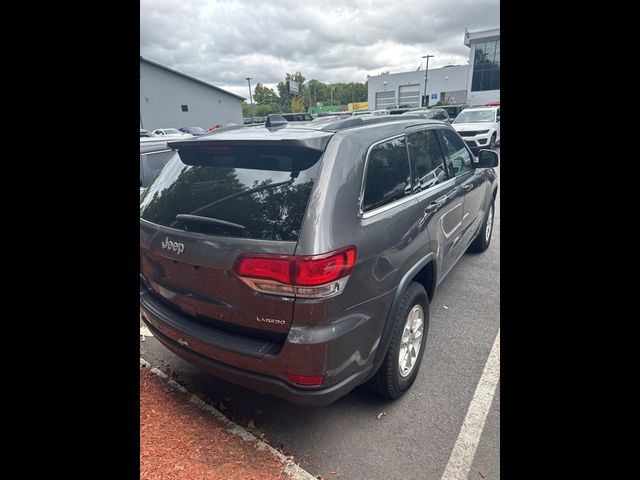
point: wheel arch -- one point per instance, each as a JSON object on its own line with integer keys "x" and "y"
{"x": 424, "y": 272}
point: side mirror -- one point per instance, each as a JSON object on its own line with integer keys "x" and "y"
{"x": 487, "y": 159}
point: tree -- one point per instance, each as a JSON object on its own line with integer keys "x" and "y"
{"x": 315, "y": 91}
{"x": 246, "y": 109}
{"x": 297, "y": 105}
{"x": 261, "y": 109}
{"x": 264, "y": 95}
{"x": 284, "y": 94}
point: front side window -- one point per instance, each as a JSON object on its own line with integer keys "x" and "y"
{"x": 426, "y": 158}
{"x": 458, "y": 157}
{"x": 387, "y": 176}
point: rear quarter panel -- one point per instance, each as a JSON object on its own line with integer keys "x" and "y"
{"x": 388, "y": 244}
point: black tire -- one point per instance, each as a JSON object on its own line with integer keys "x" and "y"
{"x": 387, "y": 381}
{"x": 492, "y": 142}
{"x": 481, "y": 243}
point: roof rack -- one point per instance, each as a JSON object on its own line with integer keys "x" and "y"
{"x": 275, "y": 121}
{"x": 360, "y": 121}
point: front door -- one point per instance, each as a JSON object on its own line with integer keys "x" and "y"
{"x": 472, "y": 184}
{"x": 442, "y": 202}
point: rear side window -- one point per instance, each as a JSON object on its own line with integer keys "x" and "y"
{"x": 259, "y": 193}
{"x": 427, "y": 161}
{"x": 387, "y": 177}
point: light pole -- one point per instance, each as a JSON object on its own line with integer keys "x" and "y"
{"x": 426, "y": 76}
{"x": 248, "y": 79}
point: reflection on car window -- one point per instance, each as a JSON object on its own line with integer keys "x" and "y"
{"x": 426, "y": 159}
{"x": 458, "y": 158}
{"x": 265, "y": 190}
{"x": 387, "y": 174}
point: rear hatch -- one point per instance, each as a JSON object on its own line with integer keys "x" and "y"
{"x": 242, "y": 191}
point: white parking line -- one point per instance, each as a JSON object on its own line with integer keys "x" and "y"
{"x": 466, "y": 444}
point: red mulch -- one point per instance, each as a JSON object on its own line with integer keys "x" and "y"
{"x": 179, "y": 440}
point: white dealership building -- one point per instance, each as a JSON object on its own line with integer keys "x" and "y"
{"x": 477, "y": 83}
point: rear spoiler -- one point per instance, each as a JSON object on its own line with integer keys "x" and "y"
{"x": 315, "y": 142}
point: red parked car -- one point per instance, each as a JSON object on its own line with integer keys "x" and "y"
{"x": 225, "y": 123}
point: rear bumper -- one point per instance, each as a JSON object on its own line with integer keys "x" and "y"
{"x": 250, "y": 363}
{"x": 263, "y": 383}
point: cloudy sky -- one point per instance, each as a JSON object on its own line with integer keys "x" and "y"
{"x": 224, "y": 41}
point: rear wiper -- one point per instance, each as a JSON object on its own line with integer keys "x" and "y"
{"x": 246, "y": 192}
{"x": 215, "y": 221}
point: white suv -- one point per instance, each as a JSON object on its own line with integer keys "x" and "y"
{"x": 479, "y": 127}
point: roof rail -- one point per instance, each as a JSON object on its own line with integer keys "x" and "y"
{"x": 361, "y": 120}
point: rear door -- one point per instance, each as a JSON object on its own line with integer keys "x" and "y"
{"x": 471, "y": 181}
{"x": 441, "y": 200}
{"x": 211, "y": 204}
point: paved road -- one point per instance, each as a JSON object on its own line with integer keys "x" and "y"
{"x": 415, "y": 438}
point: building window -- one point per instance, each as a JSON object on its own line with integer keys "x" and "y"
{"x": 185, "y": 108}
{"x": 486, "y": 67}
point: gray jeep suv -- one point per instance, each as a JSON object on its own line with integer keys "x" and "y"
{"x": 300, "y": 260}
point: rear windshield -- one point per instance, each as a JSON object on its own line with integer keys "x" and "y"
{"x": 258, "y": 193}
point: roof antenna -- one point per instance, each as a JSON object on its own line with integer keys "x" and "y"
{"x": 275, "y": 120}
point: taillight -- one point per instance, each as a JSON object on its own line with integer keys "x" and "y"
{"x": 266, "y": 267}
{"x": 320, "y": 269}
{"x": 313, "y": 276}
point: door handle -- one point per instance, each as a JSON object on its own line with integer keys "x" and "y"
{"x": 467, "y": 188}
{"x": 435, "y": 205}
{"x": 453, "y": 193}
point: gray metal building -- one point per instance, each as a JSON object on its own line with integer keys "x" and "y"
{"x": 170, "y": 99}
{"x": 446, "y": 84}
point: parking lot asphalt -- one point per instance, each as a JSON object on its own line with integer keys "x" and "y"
{"x": 416, "y": 435}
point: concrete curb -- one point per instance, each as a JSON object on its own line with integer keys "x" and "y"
{"x": 292, "y": 469}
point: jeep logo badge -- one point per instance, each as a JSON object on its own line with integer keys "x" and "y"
{"x": 175, "y": 246}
